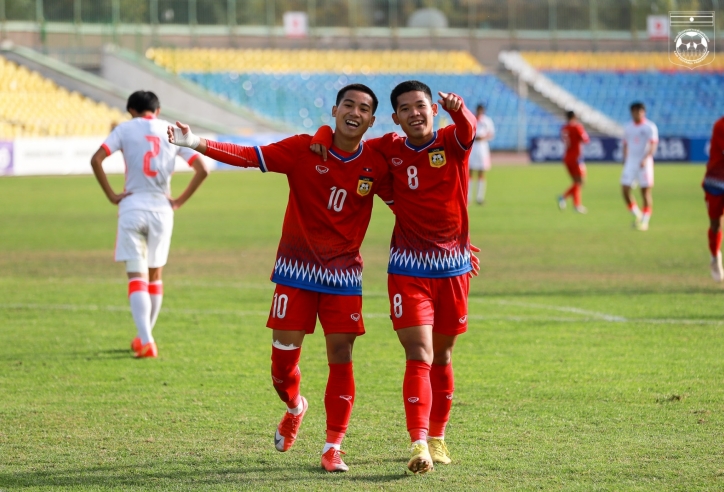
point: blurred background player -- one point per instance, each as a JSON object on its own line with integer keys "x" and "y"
{"x": 714, "y": 194}
{"x": 318, "y": 270}
{"x": 145, "y": 207}
{"x": 480, "y": 155}
{"x": 574, "y": 136}
{"x": 640, "y": 137}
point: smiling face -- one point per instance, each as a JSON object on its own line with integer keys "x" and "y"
{"x": 353, "y": 116}
{"x": 415, "y": 113}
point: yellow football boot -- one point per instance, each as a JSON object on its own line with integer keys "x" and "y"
{"x": 439, "y": 451}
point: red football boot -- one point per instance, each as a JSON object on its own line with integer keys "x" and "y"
{"x": 148, "y": 350}
{"x": 289, "y": 426}
{"x": 332, "y": 461}
{"x": 136, "y": 344}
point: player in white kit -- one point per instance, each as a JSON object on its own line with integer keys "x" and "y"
{"x": 639, "y": 145}
{"x": 480, "y": 155}
{"x": 145, "y": 207}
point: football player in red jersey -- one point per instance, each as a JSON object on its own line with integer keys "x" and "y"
{"x": 574, "y": 136}
{"x": 714, "y": 195}
{"x": 318, "y": 269}
{"x": 430, "y": 255}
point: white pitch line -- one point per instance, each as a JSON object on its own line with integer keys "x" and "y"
{"x": 475, "y": 317}
{"x": 549, "y": 307}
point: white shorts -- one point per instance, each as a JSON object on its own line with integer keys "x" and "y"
{"x": 634, "y": 173}
{"x": 144, "y": 235}
{"x": 479, "y": 158}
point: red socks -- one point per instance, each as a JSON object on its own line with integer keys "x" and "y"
{"x": 575, "y": 192}
{"x": 443, "y": 386}
{"x": 715, "y": 242}
{"x": 338, "y": 401}
{"x": 286, "y": 376}
{"x": 417, "y": 395}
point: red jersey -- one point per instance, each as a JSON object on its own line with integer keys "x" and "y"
{"x": 574, "y": 136}
{"x": 714, "y": 177}
{"x": 430, "y": 187}
{"x": 329, "y": 209}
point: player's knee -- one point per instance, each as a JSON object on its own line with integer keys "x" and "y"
{"x": 418, "y": 351}
{"x": 443, "y": 357}
{"x": 339, "y": 353}
{"x": 137, "y": 266}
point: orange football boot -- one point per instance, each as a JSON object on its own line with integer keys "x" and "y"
{"x": 148, "y": 350}
{"x": 289, "y": 426}
{"x": 332, "y": 461}
{"x": 136, "y": 344}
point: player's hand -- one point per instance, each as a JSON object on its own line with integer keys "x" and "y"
{"x": 319, "y": 149}
{"x": 116, "y": 199}
{"x": 175, "y": 204}
{"x": 182, "y": 136}
{"x": 475, "y": 261}
{"x": 449, "y": 101}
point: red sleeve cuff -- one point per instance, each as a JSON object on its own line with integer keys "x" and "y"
{"x": 192, "y": 159}
{"x": 107, "y": 149}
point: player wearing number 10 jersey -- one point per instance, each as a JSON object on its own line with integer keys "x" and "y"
{"x": 318, "y": 269}
{"x": 430, "y": 256}
{"x": 145, "y": 208}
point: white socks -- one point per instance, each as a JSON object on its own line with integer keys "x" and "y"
{"x": 140, "y": 302}
{"x": 328, "y": 446}
{"x": 635, "y": 210}
{"x": 298, "y": 409}
{"x": 155, "y": 290}
{"x": 482, "y": 188}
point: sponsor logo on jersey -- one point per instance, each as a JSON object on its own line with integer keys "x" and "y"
{"x": 413, "y": 399}
{"x": 463, "y": 319}
{"x": 437, "y": 157}
{"x": 322, "y": 169}
{"x": 449, "y": 397}
{"x": 346, "y": 397}
{"x": 277, "y": 380}
{"x": 396, "y": 161}
{"x": 367, "y": 169}
{"x": 364, "y": 185}
{"x": 355, "y": 317}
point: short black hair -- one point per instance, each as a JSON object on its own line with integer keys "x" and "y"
{"x": 637, "y": 105}
{"x": 480, "y": 106}
{"x": 409, "y": 86}
{"x": 358, "y": 88}
{"x": 570, "y": 115}
{"x": 142, "y": 101}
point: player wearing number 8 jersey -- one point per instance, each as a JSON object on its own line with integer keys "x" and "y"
{"x": 145, "y": 207}
{"x": 318, "y": 268}
{"x": 430, "y": 258}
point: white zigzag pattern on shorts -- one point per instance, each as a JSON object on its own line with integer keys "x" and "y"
{"x": 316, "y": 274}
{"x": 443, "y": 260}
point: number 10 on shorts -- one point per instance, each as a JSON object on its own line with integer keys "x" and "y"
{"x": 279, "y": 308}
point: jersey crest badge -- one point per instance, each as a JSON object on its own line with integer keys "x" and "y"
{"x": 364, "y": 185}
{"x": 437, "y": 157}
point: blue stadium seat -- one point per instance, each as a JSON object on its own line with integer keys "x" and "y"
{"x": 304, "y": 101}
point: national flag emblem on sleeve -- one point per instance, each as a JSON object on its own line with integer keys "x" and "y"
{"x": 364, "y": 185}
{"x": 437, "y": 157}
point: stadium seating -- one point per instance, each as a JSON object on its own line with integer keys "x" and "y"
{"x": 681, "y": 102}
{"x": 34, "y": 106}
{"x": 298, "y": 87}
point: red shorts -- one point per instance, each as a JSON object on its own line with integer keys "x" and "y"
{"x": 576, "y": 167}
{"x": 714, "y": 205}
{"x": 297, "y": 309}
{"x": 440, "y": 302}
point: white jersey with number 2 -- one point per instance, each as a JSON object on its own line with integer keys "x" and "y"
{"x": 150, "y": 161}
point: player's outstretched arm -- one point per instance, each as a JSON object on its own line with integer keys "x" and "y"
{"x": 97, "y": 165}
{"x": 228, "y": 153}
{"x": 200, "y": 173}
{"x": 465, "y": 122}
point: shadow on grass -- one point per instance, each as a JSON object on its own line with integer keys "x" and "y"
{"x": 189, "y": 474}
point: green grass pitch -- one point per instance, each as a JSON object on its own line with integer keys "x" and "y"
{"x": 594, "y": 359}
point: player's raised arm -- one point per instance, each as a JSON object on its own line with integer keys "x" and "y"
{"x": 228, "y": 153}
{"x": 465, "y": 121}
